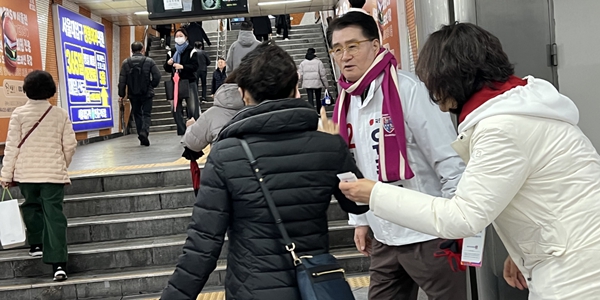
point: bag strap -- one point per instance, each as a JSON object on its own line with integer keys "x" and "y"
{"x": 5, "y": 190}
{"x": 289, "y": 245}
{"x": 34, "y": 127}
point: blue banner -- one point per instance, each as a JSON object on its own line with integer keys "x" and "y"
{"x": 83, "y": 67}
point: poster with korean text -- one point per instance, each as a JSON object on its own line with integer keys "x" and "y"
{"x": 83, "y": 68}
{"x": 20, "y": 52}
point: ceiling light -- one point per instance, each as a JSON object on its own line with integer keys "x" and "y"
{"x": 282, "y": 2}
{"x": 141, "y": 13}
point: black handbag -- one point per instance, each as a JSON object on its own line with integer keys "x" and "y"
{"x": 184, "y": 89}
{"x": 319, "y": 277}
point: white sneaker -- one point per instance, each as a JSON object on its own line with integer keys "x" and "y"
{"x": 286, "y": 39}
{"x": 168, "y": 48}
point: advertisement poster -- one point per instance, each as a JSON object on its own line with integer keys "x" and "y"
{"x": 173, "y": 9}
{"x": 21, "y": 54}
{"x": 83, "y": 68}
{"x": 385, "y": 13}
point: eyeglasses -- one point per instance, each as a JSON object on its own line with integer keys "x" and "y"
{"x": 351, "y": 48}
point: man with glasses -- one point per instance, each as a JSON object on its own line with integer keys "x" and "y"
{"x": 397, "y": 135}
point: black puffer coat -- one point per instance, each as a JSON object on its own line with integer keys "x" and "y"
{"x": 299, "y": 165}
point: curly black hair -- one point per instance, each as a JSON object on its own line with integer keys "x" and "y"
{"x": 459, "y": 60}
{"x": 39, "y": 85}
{"x": 267, "y": 73}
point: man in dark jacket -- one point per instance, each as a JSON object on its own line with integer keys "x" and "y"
{"x": 196, "y": 33}
{"x": 141, "y": 105}
{"x": 262, "y": 28}
{"x": 203, "y": 63}
{"x": 299, "y": 165}
{"x": 219, "y": 75}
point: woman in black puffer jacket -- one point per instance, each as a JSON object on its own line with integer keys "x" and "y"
{"x": 299, "y": 165}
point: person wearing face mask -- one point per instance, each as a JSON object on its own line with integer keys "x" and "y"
{"x": 531, "y": 172}
{"x": 300, "y": 166}
{"x": 183, "y": 59}
{"x": 397, "y": 136}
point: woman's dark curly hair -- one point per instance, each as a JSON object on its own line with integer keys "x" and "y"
{"x": 39, "y": 85}
{"x": 267, "y": 73}
{"x": 460, "y": 59}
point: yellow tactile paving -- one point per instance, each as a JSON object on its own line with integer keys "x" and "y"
{"x": 180, "y": 162}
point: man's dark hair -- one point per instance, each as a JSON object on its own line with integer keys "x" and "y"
{"x": 358, "y": 19}
{"x": 267, "y": 73}
{"x": 460, "y": 59}
{"x": 137, "y": 47}
{"x": 357, "y": 3}
{"x": 182, "y": 30}
{"x": 247, "y": 26}
{"x": 220, "y": 58}
{"x": 39, "y": 85}
{"x": 199, "y": 45}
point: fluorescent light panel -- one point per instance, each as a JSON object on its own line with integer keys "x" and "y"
{"x": 141, "y": 13}
{"x": 282, "y": 2}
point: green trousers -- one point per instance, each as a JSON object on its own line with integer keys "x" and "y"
{"x": 44, "y": 218}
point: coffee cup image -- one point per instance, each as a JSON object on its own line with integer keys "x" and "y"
{"x": 9, "y": 42}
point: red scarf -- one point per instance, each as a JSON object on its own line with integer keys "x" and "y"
{"x": 487, "y": 93}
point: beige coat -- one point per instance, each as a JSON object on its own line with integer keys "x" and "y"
{"x": 47, "y": 153}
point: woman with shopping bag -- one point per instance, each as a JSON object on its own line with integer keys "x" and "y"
{"x": 313, "y": 77}
{"x": 39, "y": 148}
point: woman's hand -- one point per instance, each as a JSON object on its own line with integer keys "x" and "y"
{"x": 190, "y": 122}
{"x": 178, "y": 66}
{"x": 326, "y": 125}
{"x": 513, "y": 276}
{"x": 358, "y": 191}
{"x": 5, "y": 184}
{"x": 170, "y": 62}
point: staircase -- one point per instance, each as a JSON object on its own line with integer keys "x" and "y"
{"x": 301, "y": 38}
{"x": 125, "y": 234}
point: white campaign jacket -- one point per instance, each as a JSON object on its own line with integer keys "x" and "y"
{"x": 429, "y": 133}
{"x": 47, "y": 152}
{"x": 535, "y": 176}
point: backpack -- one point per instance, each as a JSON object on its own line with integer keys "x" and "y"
{"x": 137, "y": 81}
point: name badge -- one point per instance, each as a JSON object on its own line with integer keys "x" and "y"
{"x": 472, "y": 250}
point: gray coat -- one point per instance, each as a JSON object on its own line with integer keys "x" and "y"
{"x": 313, "y": 74}
{"x": 228, "y": 102}
{"x": 245, "y": 43}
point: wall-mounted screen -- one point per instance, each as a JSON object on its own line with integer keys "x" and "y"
{"x": 170, "y": 9}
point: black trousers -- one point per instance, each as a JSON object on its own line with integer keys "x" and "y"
{"x": 312, "y": 94}
{"x": 202, "y": 76}
{"x": 142, "y": 110}
{"x": 262, "y": 37}
{"x": 286, "y": 32}
{"x": 192, "y": 109}
{"x": 167, "y": 37}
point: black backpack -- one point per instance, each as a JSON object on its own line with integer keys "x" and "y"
{"x": 137, "y": 81}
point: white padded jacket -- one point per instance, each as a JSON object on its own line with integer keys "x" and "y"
{"x": 47, "y": 152}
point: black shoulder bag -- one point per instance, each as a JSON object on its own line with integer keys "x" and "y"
{"x": 319, "y": 277}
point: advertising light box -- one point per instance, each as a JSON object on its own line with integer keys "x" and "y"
{"x": 83, "y": 68}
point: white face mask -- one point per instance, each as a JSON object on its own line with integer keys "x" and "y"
{"x": 179, "y": 40}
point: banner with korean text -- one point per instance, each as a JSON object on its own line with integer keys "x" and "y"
{"x": 21, "y": 54}
{"x": 83, "y": 68}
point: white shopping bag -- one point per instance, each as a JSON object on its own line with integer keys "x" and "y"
{"x": 12, "y": 228}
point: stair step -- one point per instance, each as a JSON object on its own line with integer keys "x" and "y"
{"x": 138, "y": 252}
{"x": 132, "y": 281}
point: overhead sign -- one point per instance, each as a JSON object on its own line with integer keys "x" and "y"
{"x": 20, "y": 54}
{"x": 177, "y": 9}
{"x": 83, "y": 68}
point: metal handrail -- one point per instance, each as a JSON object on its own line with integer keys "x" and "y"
{"x": 324, "y": 26}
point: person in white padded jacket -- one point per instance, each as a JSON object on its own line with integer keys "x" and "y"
{"x": 37, "y": 157}
{"x": 531, "y": 172}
